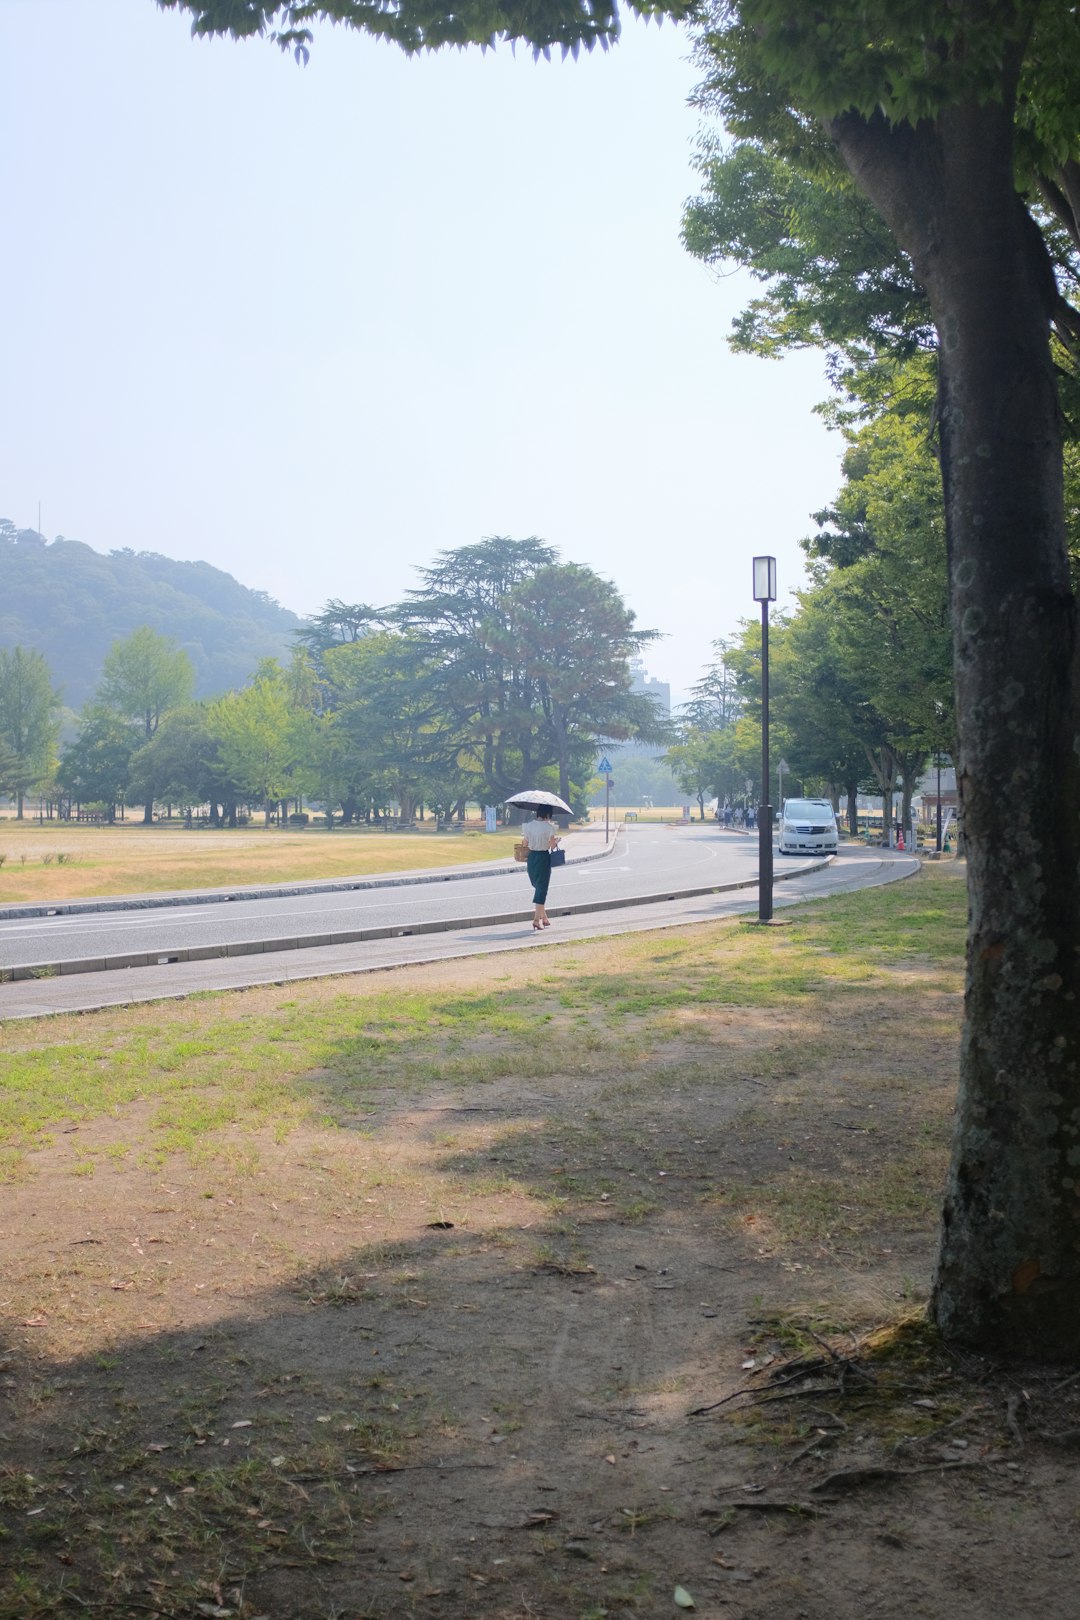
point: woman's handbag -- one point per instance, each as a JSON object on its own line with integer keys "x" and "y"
{"x": 521, "y": 850}
{"x": 558, "y": 857}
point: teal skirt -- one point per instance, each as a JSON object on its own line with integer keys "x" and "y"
{"x": 539, "y": 870}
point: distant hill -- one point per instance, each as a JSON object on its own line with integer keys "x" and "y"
{"x": 71, "y": 603}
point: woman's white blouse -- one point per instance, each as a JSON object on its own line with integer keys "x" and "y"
{"x": 538, "y": 834}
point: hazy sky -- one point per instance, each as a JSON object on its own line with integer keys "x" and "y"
{"x": 317, "y": 325}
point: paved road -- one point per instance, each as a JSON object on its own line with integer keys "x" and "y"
{"x": 645, "y": 861}
{"x": 854, "y": 869}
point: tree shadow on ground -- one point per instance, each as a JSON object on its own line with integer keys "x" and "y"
{"x": 438, "y": 1353}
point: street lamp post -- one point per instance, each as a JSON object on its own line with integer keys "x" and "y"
{"x": 765, "y": 592}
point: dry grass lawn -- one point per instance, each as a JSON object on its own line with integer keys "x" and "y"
{"x": 58, "y": 863}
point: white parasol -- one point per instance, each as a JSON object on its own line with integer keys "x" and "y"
{"x": 533, "y": 798}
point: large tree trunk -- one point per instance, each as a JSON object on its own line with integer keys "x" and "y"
{"x": 882, "y": 762}
{"x": 1008, "y": 1275}
{"x": 912, "y": 767}
{"x": 853, "y": 808}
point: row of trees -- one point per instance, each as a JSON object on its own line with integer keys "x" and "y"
{"x": 861, "y": 673}
{"x": 29, "y": 722}
{"x": 902, "y": 181}
{"x": 503, "y": 670}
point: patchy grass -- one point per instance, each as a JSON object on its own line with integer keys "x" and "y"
{"x": 390, "y": 1295}
{"x": 281, "y": 1059}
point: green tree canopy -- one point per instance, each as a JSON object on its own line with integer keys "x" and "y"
{"x": 465, "y": 608}
{"x": 390, "y": 714}
{"x": 264, "y": 738}
{"x": 181, "y": 764}
{"x": 419, "y": 25}
{"x": 833, "y": 274}
{"x": 143, "y": 676}
{"x": 533, "y": 661}
{"x": 715, "y": 699}
{"x": 573, "y": 637}
{"x": 338, "y": 624}
{"x": 96, "y": 767}
{"x": 29, "y": 720}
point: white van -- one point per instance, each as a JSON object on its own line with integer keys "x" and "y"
{"x": 808, "y": 827}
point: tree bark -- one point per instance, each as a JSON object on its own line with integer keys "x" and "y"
{"x": 853, "y": 808}
{"x": 1008, "y": 1274}
{"x": 882, "y": 762}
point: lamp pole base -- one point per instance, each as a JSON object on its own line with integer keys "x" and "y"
{"x": 765, "y": 863}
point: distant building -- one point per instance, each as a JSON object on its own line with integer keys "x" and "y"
{"x": 926, "y": 794}
{"x": 641, "y": 777}
{"x": 647, "y": 686}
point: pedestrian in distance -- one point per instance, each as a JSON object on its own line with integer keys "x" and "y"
{"x": 541, "y": 837}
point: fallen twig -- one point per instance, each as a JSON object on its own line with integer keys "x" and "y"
{"x": 701, "y": 1411}
{"x": 834, "y": 1355}
{"x": 851, "y": 1478}
{"x": 824, "y": 1438}
{"x": 393, "y": 1468}
{"x": 758, "y": 1504}
{"x": 798, "y": 1394}
{"x": 827, "y": 1420}
{"x": 759, "y": 1399}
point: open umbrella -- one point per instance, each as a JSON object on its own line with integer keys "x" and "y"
{"x": 533, "y": 798}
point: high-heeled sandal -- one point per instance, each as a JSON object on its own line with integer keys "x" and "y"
{"x": 538, "y": 926}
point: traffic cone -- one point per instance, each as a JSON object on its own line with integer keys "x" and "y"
{"x": 900, "y": 839}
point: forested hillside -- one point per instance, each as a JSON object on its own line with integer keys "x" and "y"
{"x": 71, "y": 603}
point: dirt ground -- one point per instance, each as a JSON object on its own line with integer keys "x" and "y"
{"x": 463, "y": 1354}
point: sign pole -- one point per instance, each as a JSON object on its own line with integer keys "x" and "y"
{"x": 604, "y": 768}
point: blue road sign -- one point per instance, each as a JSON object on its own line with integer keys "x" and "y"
{"x": 604, "y": 767}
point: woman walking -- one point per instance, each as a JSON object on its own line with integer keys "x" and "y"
{"x": 541, "y": 838}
